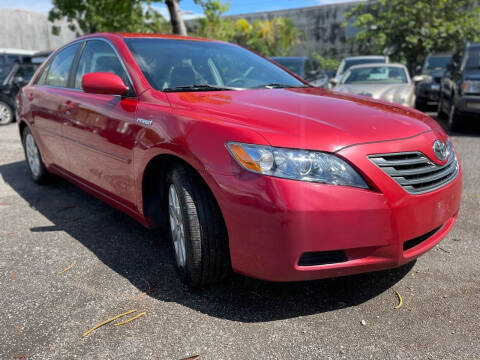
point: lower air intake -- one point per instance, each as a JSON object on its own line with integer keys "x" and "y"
{"x": 322, "y": 258}
{"x": 407, "y": 245}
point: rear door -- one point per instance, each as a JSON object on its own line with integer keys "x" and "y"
{"x": 101, "y": 131}
{"x": 46, "y": 99}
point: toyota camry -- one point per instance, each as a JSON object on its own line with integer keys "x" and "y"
{"x": 249, "y": 167}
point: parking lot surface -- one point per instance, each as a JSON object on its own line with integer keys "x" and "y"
{"x": 118, "y": 265}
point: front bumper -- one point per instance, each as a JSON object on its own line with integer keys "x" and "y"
{"x": 468, "y": 105}
{"x": 428, "y": 92}
{"x": 272, "y": 222}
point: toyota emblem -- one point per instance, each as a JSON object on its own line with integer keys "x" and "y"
{"x": 440, "y": 150}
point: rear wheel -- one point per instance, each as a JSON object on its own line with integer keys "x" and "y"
{"x": 6, "y": 113}
{"x": 35, "y": 165}
{"x": 197, "y": 230}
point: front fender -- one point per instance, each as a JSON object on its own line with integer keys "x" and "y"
{"x": 198, "y": 141}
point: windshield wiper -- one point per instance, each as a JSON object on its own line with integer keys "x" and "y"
{"x": 279, "y": 86}
{"x": 198, "y": 87}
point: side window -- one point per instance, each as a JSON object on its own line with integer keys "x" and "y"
{"x": 98, "y": 56}
{"x": 60, "y": 67}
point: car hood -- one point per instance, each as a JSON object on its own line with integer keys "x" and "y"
{"x": 435, "y": 73}
{"x": 309, "y": 118}
{"x": 473, "y": 74}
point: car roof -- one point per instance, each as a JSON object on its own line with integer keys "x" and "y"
{"x": 290, "y": 57}
{"x": 439, "y": 55}
{"x": 366, "y": 57}
{"x": 147, "y": 36}
{"x": 377, "y": 65}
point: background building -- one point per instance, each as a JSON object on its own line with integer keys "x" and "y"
{"x": 27, "y": 30}
{"x": 322, "y": 26}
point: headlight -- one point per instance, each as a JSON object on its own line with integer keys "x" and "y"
{"x": 295, "y": 164}
{"x": 471, "y": 87}
{"x": 427, "y": 79}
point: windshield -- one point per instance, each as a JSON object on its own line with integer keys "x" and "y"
{"x": 168, "y": 64}
{"x": 376, "y": 75}
{"x": 4, "y": 71}
{"x": 294, "y": 65}
{"x": 436, "y": 62}
{"x": 472, "y": 61}
{"x": 347, "y": 64}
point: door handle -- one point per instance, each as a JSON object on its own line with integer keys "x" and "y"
{"x": 68, "y": 107}
{"x": 30, "y": 96}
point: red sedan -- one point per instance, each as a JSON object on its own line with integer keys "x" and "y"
{"x": 248, "y": 166}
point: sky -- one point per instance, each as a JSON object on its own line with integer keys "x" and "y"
{"x": 188, "y": 6}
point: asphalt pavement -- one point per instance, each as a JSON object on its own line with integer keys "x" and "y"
{"x": 113, "y": 265}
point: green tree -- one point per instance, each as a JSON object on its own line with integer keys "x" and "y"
{"x": 89, "y": 16}
{"x": 409, "y": 30}
{"x": 326, "y": 63}
{"x": 276, "y": 37}
{"x": 214, "y": 25}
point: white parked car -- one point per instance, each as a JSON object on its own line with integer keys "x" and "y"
{"x": 390, "y": 82}
{"x": 348, "y": 62}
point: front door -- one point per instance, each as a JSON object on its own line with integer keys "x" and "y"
{"x": 100, "y": 136}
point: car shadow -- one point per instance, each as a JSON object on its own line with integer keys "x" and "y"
{"x": 139, "y": 254}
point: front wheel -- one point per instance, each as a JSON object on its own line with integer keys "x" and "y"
{"x": 6, "y": 113}
{"x": 454, "y": 119}
{"x": 197, "y": 230}
{"x": 440, "y": 112}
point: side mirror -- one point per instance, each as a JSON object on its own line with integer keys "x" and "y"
{"x": 103, "y": 83}
{"x": 333, "y": 81}
{"x": 418, "y": 69}
{"x": 418, "y": 78}
{"x": 19, "y": 81}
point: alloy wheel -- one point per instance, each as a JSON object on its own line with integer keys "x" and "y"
{"x": 5, "y": 114}
{"x": 33, "y": 155}
{"x": 177, "y": 227}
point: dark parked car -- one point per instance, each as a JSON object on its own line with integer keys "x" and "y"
{"x": 429, "y": 78}
{"x": 12, "y": 78}
{"x": 460, "y": 87}
{"x": 305, "y": 67}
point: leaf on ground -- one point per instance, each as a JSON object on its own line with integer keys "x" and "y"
{"x": 5, "y": 204}
{"x": 14, "y": 275}
{"x": 68, "y": 268}
{"x": 66, "y": 208}
{"x": 19, "y": 332}
{"x": 106, "y": 322}
{"x": 400, "y": 300}
{"x": 131, "y": 319}
{"x": 194, "y": 357}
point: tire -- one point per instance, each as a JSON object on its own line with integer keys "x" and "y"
{"x": 33, "y": 158}
{"x": 6, "y": 113}
{"x": 454, "y": 119}
{"x": 419, "y": 104}
{"x": 441, "y": 113}
{"x": 203, "y": 258}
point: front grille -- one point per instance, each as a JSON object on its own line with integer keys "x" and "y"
{"x": 322, "y": 258}
{"x": 418, "y": 240}
{"x": 415, "y": 172}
